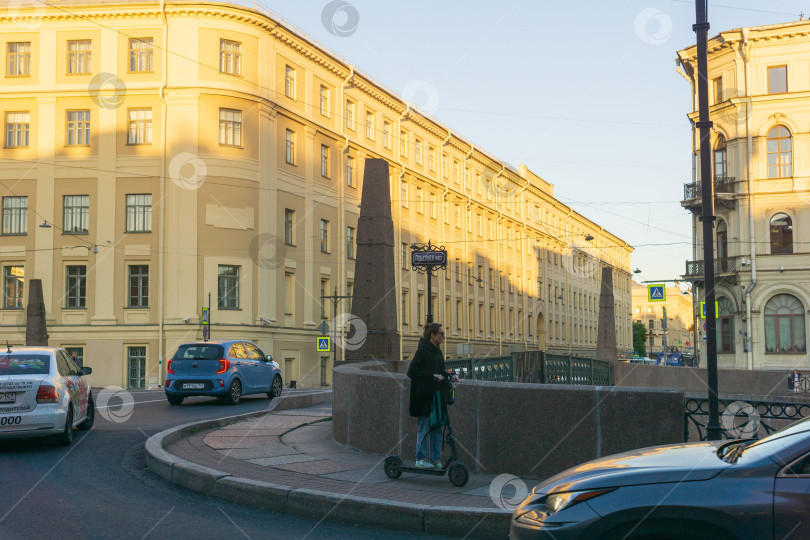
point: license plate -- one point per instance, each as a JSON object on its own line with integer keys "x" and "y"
{"x": 9, "y": 397}
{"x": 193, "y": 386}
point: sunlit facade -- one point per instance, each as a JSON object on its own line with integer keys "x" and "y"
{"x": 189, "y": 150}
{"x": 679, "y": 319}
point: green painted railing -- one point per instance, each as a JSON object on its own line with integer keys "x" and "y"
{"x": 559, "y": 369}
{"x": 496, "y": 368}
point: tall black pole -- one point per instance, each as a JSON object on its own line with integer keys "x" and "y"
{"x": 430, "y": 296}
{"x": 707, "y": 218}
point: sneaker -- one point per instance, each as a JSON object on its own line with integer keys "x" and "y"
{"x": 422, "y": 464}
{"x": 437, "y": 465}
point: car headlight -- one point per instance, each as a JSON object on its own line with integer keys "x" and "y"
{"x": 533, "y": 517}
{"x": 556, "y": 502}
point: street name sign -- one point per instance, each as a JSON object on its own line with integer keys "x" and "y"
{"x": 428, "y": 258}
{"x": 656, "y": 293}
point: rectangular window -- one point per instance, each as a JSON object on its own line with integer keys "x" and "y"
{"x": 458, "y": 314}
{"x": 227, "y": 286}
{"x": 324, "y": 101}
{"x": 139, "y": 285}
{"x": 324, "y": 292}
{"x": 79, "y": 56}
{"x": 290, "y": 147}
{"x": 479, "y": 185}
{"x": 289, "y": 220}
{"x": 75, "y": 286}
{"x": 456, "y": 172}
{"x": 433, "y": 206}
{"x": 289, "y": 82}
{"x": 13, "y": 286}
{"x": 420, "y": 299}
{"x": 15, "y": 215}
{"x": 141, "y": 53}
{"x": 458, "y": 270}
{"x": 369, "y": 125}
{"x": 481, "y": 275}
{"x": 350, "y": 241}
{"x": 405, "y": 309}
{"x": 777, "y": 79}
{"x": 717, "y": 85}
{"x": 230, "y": 127}
{"x": 140, "y": 126}
{"x": 349, "y": 293}
{"x": 17, "y": 124}
{"x": 350, "y": 171}
{"x": 480, "y": 224}
{"x": 458, "y": 216}
{"x": 418, "y": 151}
{"x": 324, "y": 161}
{"x": 420, "y": 202}
{"x": 19, "y": 59}
{"x": 136, "y": 366}
{"x": 467, "y": 176}
{"x": 230, "y": 57}
{"x": 403, "y": 144}
{"x": 78, "y": 359}
{"x": 289, "y": 294}
{"x": 349, "y": 114}
{"x": 404, "y": 195}
{"x": 445, "y": 166}
{"x": 387, "y": 135}
{"x": 78, "y": 128}
{"x": 432, "y": 158}
{"x": 75, "y": 213}
{"x": 324, "y": 236}
{"x": 139, "y": 213}
{"x": 403, "y": 254}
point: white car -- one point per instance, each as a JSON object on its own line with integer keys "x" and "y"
{"x": 43, "y": 393}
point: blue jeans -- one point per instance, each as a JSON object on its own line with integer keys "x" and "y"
{"x": 435, "y": 440}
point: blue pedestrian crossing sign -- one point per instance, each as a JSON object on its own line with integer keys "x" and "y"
{"x": 703, "y": 309}
{"x": 656, "y": 293}
{"x": 324, "y": 344}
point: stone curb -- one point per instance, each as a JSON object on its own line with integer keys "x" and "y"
{"x": 351, "y": 509}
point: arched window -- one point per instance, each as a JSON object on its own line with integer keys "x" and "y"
{"x": 780, "y": 162}
{"x": 722, "y": 240}
{"x": 725, "y": 326}
{"x": 784, "y": 325}
{"x": 781, "y": 234}
{"x": 720, "y": 158}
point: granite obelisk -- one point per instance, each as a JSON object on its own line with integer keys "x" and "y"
{"x": 36, "y": 331}
{"x": 606, "y": 330}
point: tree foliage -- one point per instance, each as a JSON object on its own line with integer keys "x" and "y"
{"x": 640, "y": 338}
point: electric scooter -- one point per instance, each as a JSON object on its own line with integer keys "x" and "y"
{"x": 456, "y": 471}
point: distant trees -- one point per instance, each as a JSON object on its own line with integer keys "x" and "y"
{"x": 640, "y": 338}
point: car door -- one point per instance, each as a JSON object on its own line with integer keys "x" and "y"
{"x": 244, "y": 366}
{"x": 264, "y": 371}
{"x": 71, "y": 384}
{"x": 84, "y": 386}
{"x": 791, "y": 500}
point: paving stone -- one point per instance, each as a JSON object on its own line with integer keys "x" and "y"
{"x": 318, "y": 432}
{"x": 323, "y": 466}
{"x": 282, "y": 460}
{"x": 259, "y": 452}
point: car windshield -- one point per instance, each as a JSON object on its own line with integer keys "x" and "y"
{"x": 199, "y": 352}
{"x": 775, "y": 442}
{"x": 25, "y": 364}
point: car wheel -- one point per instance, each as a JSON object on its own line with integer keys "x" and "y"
{"x": 87, "y": 423}
{"x": 275, "y": 390}
{"x": 234, "y": 392}
{"x": 66, "y": 437}
{"x": 175, "y": 400}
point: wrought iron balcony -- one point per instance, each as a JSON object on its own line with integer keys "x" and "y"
{"x": 726, "y": 266}
{"x": 724, "y": 189}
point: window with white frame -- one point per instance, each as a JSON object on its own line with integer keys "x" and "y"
{"x": 324, "y": 101}
{"x": 350, "y": 242}
{"x": 138, "y": 286}
{"x": 19, "y": 58}
{"x": 17, "y": 126}
{"x": 78, "y": 128}
{"x": 75, "y": 286}
{"x": 324, "y": 161}
{"x": 289, "y": 82}
{"x": 75, "y": 213}
{"x": 349, "y": 114}
{"x": 230, "y": 127}
{"x": 369, "y": 125}
{"x": 387, "y": 135}
{"x": 445, "y": 166}
{"x": 433, "y": 206}
{"x": 230, "y": 57}
{"x": 79, "y": 56}
{"x": 15, "y": 215}
{"x": 228, "y": 286}
{"x": 350, "y": 171}
{"x": 420, "y": 202}
{"x": 290, "y": 147}
{"x": 403, "y": 143}
{"x": 139, "y": 213}
{"x": 141, "y": 54}
{"x": 289, "y": 227}
{"x": 324, "y": 236}
{"x": 456, "y": 172}
{"x": 418, "y": 151}
{"x": 140, "y": 126}
{"x": 431, "y": 159}
{"x": 404, "y": 194}
{"x": 13, "y": 287}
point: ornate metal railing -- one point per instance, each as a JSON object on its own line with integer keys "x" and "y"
{"x": 725, "y": 265}
{"x": 741, "y": 419}
{"x": 497, "y": 368}
{"x": 722, "y": 184}
{"x": 559, "y": 369}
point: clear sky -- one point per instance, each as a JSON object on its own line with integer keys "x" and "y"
{"x": 585, "y": 93}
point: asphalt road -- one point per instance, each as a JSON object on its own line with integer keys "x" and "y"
{"x": 99, "y": 487}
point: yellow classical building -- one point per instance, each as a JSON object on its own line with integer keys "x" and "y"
{"x": 679, "y": 315}
{"x": 760, "y": 106}
{"x": 161, "y": 156}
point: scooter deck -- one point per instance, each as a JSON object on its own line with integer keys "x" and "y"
{"x": 419, "y": 470}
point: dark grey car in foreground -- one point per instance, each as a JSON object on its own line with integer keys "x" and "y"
{"x": 711, "y": 490}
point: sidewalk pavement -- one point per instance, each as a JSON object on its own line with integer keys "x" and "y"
{"x": 287, "y": 460}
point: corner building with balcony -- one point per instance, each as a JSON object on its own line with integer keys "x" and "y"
{"x": 759, "y": 96}
{"x": 174, "y": 151}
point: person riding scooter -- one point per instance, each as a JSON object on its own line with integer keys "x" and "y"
{"x": 426, "y": 372}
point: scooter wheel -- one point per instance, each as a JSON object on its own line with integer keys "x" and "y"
{"x": 458, "y": 474}
{"x": 392, "y": 465}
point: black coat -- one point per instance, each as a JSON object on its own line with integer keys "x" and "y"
{"x": 427, "y": 361}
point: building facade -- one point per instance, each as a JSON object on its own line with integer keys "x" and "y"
{"x": 759, "y": 97}
{"x": 679, "y": 314}
{"x": 197, "y": 153}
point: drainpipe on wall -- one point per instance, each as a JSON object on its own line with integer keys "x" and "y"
{"x": 341, "y": 193}
{"x": 751, "y": 229}
{"x": 162, "y": 236}
{"x": 467, "y": 245}
{"x": 399, "y": 271}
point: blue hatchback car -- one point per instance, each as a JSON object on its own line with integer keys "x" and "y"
{"x": 224, "y": 369}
